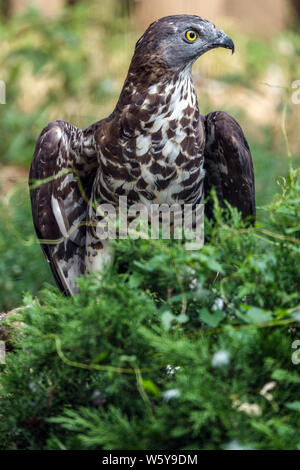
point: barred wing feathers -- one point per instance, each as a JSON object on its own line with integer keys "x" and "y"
{"x": 228, "y": 164}
{"x": 61, "y": 177}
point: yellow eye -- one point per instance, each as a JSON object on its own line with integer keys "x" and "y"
{"x": 191, "y": 36}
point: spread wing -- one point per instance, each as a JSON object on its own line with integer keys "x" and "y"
{"x": 228, "y": 164}
{"x": 61, "y": 177}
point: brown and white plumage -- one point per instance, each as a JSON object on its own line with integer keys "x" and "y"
{"x": 228, "y": 164}
{"x": 59, "y": 205}
{"x": 155, "y": 147}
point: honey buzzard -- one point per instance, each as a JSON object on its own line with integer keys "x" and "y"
{"x": 155, "y": 147}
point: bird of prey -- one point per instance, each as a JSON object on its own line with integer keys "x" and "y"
{"x": 155, "y": 147}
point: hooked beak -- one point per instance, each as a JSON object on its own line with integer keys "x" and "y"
{"x": 222, "y": 40}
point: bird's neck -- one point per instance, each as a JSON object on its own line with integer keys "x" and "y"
{"x": 153, "y": 143}
{"x": 143, "y": 106}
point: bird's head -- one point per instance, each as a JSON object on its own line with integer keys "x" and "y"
{"x": 179, "y": 40}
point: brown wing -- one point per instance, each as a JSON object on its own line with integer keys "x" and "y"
{"x": 63, "y": 156}
{"x": 228, "y": 164}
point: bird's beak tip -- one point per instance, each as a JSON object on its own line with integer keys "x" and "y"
{"x": 225, "y": 41}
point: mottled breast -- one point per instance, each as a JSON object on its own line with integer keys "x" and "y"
{"x": 157, "y": 156}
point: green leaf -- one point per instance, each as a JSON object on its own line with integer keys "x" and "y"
{"x": 256, "y": 315}
{"x": 211, "y": 319}
{"x": 167, "y": 318}
{"x": 150, "y": 387}
{"x": 144, "y": 267}
{"x": 295, "y": 405}
{"x": 100, "y": 357}
{"x": 282, "y": 375}
{"x": 182, "y": 318}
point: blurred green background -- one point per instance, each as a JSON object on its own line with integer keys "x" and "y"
{"x": 68, "y": 60}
